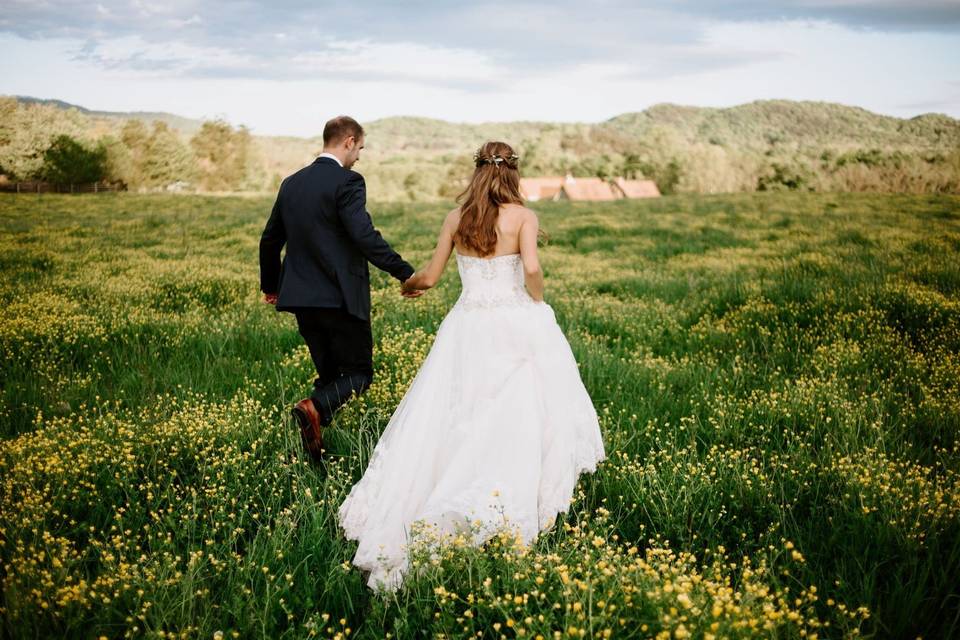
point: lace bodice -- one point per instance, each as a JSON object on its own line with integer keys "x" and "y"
{"x": 492, "y": 282}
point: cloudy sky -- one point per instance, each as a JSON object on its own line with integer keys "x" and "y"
{"x": 286, "y": 67}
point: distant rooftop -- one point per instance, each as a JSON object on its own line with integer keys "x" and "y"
{"x": 591, "y": 189}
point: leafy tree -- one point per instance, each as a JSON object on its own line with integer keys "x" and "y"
{"x": 135, "y": 137}
{"x": 413, "y": 185}
{"x": 531, "y": 160}
{"x": 665, "y": 175}
{"x": 67, "y": 161}
{"x": 594, "y": 166}
{"x": 631, "y": 166}
{"x": 457, "y": 177}
{"x": 119, "y": 166}
{"x": 167, "y": 159}
{"x": 782, "y": 178}
{"x": 8, "y": 113}
{"x": 27, "y": 131}
{"x": 221, "y": 154}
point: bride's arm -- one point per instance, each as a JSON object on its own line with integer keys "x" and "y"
{"x": 428, "y": 276}
{"x": 532, "y": 274}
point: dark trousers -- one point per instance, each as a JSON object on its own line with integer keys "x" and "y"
{"x": 341, "y": 346}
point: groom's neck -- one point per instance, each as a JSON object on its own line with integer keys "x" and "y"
{"x": 341, "y": 156}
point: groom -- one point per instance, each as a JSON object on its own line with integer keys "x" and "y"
{"x": 320, "y": 214}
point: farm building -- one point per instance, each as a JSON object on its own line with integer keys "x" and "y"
{"x": 637, "y": 188}
{"x": 593, "y": 189}
{"x": 540, "y": 188}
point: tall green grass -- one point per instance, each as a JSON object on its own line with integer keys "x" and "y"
{"x": 776, "y": 374}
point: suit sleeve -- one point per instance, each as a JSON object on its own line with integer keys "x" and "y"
{"x": 352, "y": 210}
{"x": 272, "y": 239}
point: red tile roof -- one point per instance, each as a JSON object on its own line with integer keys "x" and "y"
{"x": 637, "y": 188}
{"x": 558, "y": 187}
{"x": 588, "y": 189}
{"x": 540, "y": 188}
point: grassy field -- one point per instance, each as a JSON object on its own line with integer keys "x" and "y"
{"x": 778, "y": 377}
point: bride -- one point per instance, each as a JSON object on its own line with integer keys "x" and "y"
{"x": 496, "y": 426}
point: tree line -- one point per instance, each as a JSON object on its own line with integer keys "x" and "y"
{"x": 59, "y": 147}
{"x": 760, "y": 146}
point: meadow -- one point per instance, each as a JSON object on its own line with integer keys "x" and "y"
{"x": 777, "y": 375}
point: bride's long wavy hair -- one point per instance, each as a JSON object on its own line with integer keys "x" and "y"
{"x": 495, "y": 182}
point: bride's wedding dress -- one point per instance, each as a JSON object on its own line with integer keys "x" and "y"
{"x": 494, "y": 430}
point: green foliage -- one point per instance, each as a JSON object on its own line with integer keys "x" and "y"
{"x": 26, "y": 132}
{"x": 666, "y": 176}
{"x": 130, "y": 156}
{"x": 782, "y": 177}
{"x": 166, "y": 159}
{"x": 66, "y": 161}
{"x": 413, "y": 184}
{"x": 768, "y": 145}
{"x": 118, "y": 160}
{"x": 600, "y": 167}
{"x": 456, "y": 178}
{"x": 222, "y": 155}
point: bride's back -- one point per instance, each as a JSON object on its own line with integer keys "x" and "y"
{"x": 509, "y": 219}
{"x": 512, "y": 232}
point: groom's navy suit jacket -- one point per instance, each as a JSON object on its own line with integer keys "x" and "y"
{"x": 321, "y": 215}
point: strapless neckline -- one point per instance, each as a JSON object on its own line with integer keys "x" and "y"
{"x": 506, "y": 255}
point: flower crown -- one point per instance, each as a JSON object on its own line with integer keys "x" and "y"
{"x": 495, "y": 159}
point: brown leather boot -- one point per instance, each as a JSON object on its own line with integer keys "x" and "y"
{"x": 305, "y": 413}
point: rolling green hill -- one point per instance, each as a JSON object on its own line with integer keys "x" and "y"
{"x": 758, "y": 125}
{"x": 186, "y": 125}
{"x": 761, "y": 145}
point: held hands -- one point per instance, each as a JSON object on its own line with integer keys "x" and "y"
{"x": 407, "y": 290}
{"x": 270, "y": 298}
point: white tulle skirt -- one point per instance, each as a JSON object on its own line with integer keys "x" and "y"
{"x": 494, "y": 430}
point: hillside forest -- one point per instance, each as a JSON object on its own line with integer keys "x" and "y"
{"x": 765, "y": 145}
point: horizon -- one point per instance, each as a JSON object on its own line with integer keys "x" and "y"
{"x": 283, "y": 70}
{"x": 145, "y": 112}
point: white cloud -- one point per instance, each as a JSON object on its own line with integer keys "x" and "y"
{"x": 178, "y": 23}
{"x": 173, "y": 57}
{"x": 363, "y": 58}
{"x": 281, "y": 86}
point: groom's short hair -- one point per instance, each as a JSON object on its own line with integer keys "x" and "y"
{"x": 339, "y": 128}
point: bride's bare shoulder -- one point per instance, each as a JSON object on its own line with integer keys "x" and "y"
{"x": 526, "y": 215}
{"x": 452, "y": 218}
{"x": 518, "y": 212}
